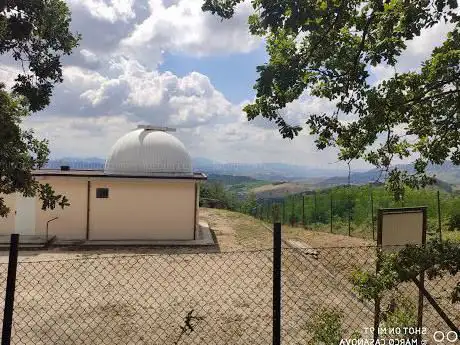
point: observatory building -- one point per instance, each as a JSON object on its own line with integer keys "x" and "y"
{"x": 147, "y": 191}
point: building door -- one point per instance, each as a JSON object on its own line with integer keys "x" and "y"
{"x": 25, "y": 215}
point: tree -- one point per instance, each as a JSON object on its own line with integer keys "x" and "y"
{"x": 436, "y": 258}
{"x": 36, "y": 34}
{"x": 249, "y": 205}
{"x": 213, "y": 194}
{"x": 326, "y": 49}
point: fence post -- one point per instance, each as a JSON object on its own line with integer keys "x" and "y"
{"x": 315, "y": 217}
{"x": 284, "y": 211}
{"x": 372, "y": 215}
{"x": 349, "y": 213}
{"x": 331, "y": 212}
{"x": 276, "y": 283}
{"x": 270, "y": 213}
{"x": 439, "y": 218}
{"x": 303, "y": 210}
{"x": 10, "y": 286}
{"x": 377, "y": 269}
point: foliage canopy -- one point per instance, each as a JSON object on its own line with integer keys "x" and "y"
{"x": 36, "y": 34}
{"x": 328, "y": 48}
{"x": 437, "y": 258}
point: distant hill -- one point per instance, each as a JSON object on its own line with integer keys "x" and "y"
{"x": 448, "y": 173}
{"x": 92, "y": 163}
{"x": 231, "y": 179}
{"x": 280, "y": 190}
{"x": 265, "y": 171}
{"x": 253, "y": 174}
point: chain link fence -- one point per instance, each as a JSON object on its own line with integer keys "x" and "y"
{"x": 211, "y": 298}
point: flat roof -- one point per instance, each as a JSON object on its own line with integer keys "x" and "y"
{"x": 101, "y": 173}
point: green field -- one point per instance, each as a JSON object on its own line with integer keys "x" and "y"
{"x": 353, "y": 210}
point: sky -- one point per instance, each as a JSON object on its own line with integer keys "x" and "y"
{"x": 166, "y": 63}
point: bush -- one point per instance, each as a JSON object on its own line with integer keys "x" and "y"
{"x": 326, "y": 327}
{"x": 401, "y": 312}
{"x": 249, "y": 205}
{"x": 454, "y": 221}
{"x": 214, "y": 195}
{"x": 293, "y": 219}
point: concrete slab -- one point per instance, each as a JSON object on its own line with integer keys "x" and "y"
{"x": 26, "y": 241}
{"x": 306, "y": 249}
{"x": 203, "y": 237}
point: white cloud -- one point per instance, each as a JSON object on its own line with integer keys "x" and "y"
{"x": 142, "y": 94}
{"x": 112, "y": 83}
{"x": 80, "y": 79}
{"x": 183, "y": 27}
{"x": 418, "y": 50}
{"x": 235, "y": 142}
{"x": 77, "y": 136}
{"x": 111, "y": 10}
{"x": 8, "y": 74}
{"x": 91, "y": 60}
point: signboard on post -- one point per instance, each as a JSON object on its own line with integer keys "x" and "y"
{"x": 398, "y": 227}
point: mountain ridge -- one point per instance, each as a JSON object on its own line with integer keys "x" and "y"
{"x": 447, "y": 172}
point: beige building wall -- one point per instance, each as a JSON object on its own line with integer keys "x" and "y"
{"x": 142, "y": 210}
{"x": 197, "y": 201}
{"x": 136, "y": 209}
{"x": 71, "y": 223}
{"x": 7, "y": 223}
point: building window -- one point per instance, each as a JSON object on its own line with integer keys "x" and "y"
{"x": 102, "y": 193}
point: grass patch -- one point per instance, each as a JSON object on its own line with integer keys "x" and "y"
{"x": 451, "y": 235}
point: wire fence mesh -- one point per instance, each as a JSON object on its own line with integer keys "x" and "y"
{"x": 212, "y": 298}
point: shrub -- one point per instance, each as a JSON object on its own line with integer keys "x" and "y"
{"x": 454, "y": 221}
{"x": 401, "y": 313}
{"x": 326, "y": 327}
{"x": 213, "y": 194}
{"x": 293, "y": 219}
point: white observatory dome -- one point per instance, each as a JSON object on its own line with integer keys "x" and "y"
{"x": 148, "y": 152}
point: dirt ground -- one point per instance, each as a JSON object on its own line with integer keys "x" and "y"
{"x": 235, "y": 231}
{"x": 158, "y": 295}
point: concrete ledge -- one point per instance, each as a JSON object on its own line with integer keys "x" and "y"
{"x": 203, "y": 237}
{"x": 27, "y": 241}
